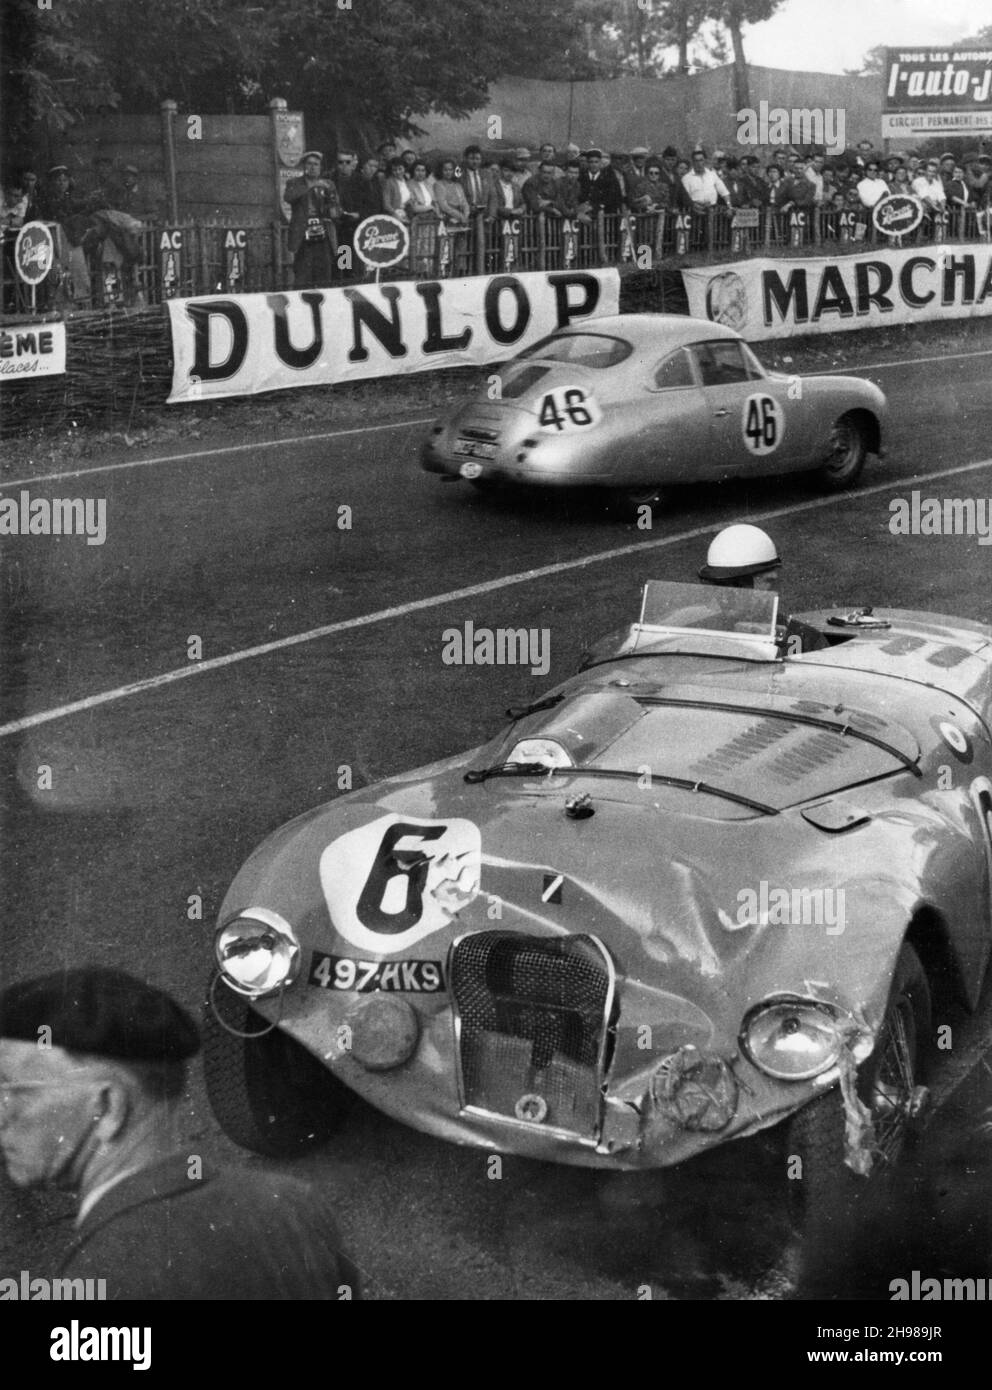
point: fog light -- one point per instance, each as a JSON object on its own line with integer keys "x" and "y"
{"x": 257, "y": 952}
{"x": 384, "y": 1031}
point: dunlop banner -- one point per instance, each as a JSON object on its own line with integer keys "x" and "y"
{"x": 238, "y": 345}
{"x": 767, "y": 298}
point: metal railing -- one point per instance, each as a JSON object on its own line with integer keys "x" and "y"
{"x": 195, "y": 258}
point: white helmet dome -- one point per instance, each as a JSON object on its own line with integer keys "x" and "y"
{"x": 737, "y": 551}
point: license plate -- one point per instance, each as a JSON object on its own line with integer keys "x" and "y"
{"x": 367, "y": 976}
{"x": 474, "y": 449}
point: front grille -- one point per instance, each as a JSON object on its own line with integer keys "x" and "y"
{"x": 473, "y": 432}
{"x": 533, "y": 1019}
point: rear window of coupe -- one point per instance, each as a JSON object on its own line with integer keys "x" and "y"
{"x": 581, "y": 349}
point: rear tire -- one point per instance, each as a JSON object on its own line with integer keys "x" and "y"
{"x": 826, "y": 1196}
{"x": 847, "y": 454}
{"x": 268, "y": 1094}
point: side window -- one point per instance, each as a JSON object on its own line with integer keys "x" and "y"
{"x": 675, "y": 370}
{"x": 722, "y": 363}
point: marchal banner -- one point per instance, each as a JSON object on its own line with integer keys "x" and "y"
{"x": 238, "y": 345}
{"x": 767, "y": 298}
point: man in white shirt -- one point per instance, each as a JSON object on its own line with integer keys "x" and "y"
{"x": 872, "y": 187}
{"x": 929, "y": 188}
{"x": 703, "y": 185}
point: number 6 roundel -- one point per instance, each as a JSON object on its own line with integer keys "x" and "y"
{"x": 389, "y": 884}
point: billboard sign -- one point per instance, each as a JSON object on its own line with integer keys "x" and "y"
{"x": 937, "y": 91}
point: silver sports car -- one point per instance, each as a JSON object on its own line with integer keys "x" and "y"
{"x": 635, "y": 402}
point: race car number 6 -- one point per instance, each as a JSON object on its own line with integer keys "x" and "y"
{"x": 568, "y": 408}
{"x": 762, "y": 424}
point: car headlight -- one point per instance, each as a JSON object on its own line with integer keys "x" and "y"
{"x": 792, "y": 1039}
{"x": 257, "y": 952}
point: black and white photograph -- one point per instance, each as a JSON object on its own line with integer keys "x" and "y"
{"x": 496, "y": 664}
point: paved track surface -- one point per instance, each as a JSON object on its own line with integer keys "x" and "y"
{"x": 161, "y": 792}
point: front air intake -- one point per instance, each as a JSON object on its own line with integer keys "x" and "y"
{"x": 533, "y": 1018}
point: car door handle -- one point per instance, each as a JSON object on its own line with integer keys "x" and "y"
{"x": 721, "y": 412}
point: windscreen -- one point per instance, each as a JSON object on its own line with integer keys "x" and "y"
{"x": 709, "y": 608}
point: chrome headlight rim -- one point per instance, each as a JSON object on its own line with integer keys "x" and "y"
{"x": 814, "y": 1010}
{"x": 284, "y": 938}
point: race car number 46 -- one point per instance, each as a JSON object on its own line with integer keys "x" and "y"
{"x": 367, "y": 976}
{"x": 568, "y": 408}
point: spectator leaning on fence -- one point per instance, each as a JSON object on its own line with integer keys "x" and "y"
{"x": 929, "y": 188}
{"x": 396, "y": 190}
{"x": 872, "y": 187}
{"x": 476, "y": 181}
{"x": 540, "y": 192}
{"x": 505, "y": 200}
{"x": 599, "y": 186}
{"x": 703, "y": 186}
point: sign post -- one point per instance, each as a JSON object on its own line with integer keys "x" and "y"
{"x": 34, "y": 255}
{"x": 381, "y": 241}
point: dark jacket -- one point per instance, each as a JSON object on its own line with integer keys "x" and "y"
{"x": 238, "y": 1234}
{"x": 605, "y": 191}
{"x": 306, "y": 201}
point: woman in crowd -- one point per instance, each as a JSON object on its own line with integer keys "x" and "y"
{"x": 423, "y": 214}
{"x": 452, "y": 205}
{"x": 396, "y": 190}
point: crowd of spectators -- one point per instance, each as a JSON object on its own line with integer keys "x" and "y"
{"x": 452, "y": 196}
{"x": 97, "y": 226}
{"x": 577, "y": 184}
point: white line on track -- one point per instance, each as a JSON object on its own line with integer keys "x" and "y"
{"x": 217, "y": 663}
{"x": 214, "y": 453}
{"x": 125, "y": 464}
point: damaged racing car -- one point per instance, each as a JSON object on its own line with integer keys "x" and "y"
{"x": 704, "y": 887}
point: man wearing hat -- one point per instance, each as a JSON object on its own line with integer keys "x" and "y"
{"x": 599, "y": 187}
{"x": 92, "y": 1073}
{"x": 315, "y": 207}
{"x": 636, "y": 179}
{"x": 669, "y": 176}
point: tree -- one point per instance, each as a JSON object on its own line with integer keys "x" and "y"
{"x": 378, "y": 62}
{"x": 735, "y": 14}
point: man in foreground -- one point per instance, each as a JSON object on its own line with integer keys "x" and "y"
{"x": 92, "y": 1072}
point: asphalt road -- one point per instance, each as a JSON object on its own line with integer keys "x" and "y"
{"x": 160, "y": 793}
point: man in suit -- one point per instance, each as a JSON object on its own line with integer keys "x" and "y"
{"x": 599, "y": 186}
{"x": 315, "y": 208}
{"x": 92, "y": 1076}
{"x": 476, "y": 181}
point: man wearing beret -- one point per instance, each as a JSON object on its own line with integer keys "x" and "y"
{"x": 92, "y": 1071}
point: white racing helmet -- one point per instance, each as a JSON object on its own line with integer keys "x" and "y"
{"x": 739, "y": 551}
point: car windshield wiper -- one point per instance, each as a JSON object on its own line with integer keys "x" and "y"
{"x": 482, "y": 774}
{"x": 689, "y": 784}
{"x": 516, "y": 712}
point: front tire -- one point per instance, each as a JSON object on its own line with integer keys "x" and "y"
{"x": 825, "y": 1197}
{"x": 268, "y": 1093}
{"x": 847, "y": 453}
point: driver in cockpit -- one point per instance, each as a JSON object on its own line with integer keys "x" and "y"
{"x": 745, "y": 557}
